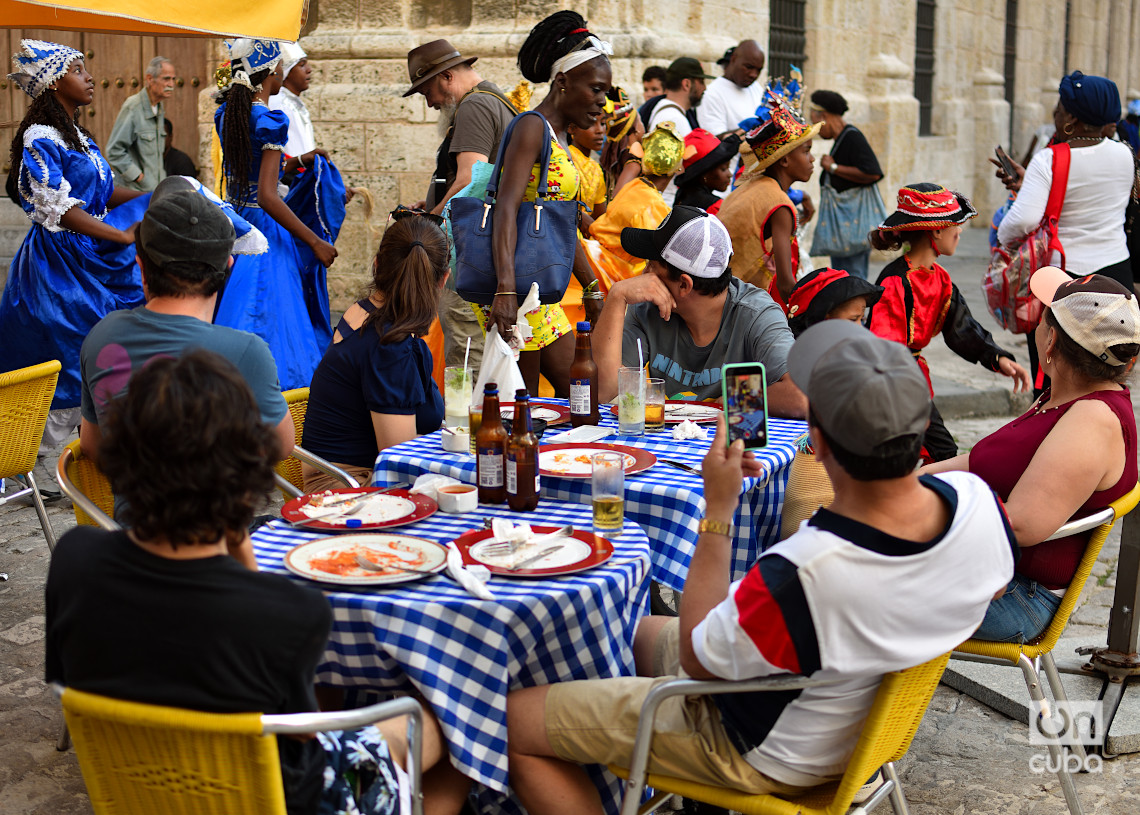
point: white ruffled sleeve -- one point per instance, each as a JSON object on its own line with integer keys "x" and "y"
{"x": 43, "y": 179}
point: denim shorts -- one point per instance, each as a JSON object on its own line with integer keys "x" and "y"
{"x": 1021, "y": 614}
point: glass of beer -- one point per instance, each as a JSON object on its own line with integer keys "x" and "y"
{"x": 457, "y": 384}
{"x": 631, "y": 401}
{"x": 608, "y": 491}
{"x": 654, "y": 404}
{"x": 474, "y": 422}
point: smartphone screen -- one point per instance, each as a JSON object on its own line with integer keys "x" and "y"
{"x": 745, "y": 399}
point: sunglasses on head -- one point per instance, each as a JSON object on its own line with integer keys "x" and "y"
{"x": 401, "y": 212}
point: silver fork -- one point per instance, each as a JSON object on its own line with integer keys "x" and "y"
{"x": 510, "y": 547}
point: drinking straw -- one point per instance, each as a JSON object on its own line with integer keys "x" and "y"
{"x": 467, "y": 354}
{"x": 640, "y": 355}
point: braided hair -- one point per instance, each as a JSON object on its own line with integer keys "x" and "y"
{"x": 236, "y": 145}
{"x": 550, "y": 40}
{"x": 44, "y": 110}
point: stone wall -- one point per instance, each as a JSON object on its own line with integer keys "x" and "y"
{"x": 862, "y": 48}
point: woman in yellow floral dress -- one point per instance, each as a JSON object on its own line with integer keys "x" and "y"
{"x": 559, "y": 50}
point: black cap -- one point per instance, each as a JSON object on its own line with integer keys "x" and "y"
{"x": 685, "y": 68}
{"x": 180, "y": 224}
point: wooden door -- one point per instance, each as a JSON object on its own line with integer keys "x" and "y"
{"x": 192, "y": 72}
{"x": 117, "y": 64}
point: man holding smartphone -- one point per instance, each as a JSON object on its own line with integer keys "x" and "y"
{"x": 896, "y": 571}
{"x": 691, "y": 316}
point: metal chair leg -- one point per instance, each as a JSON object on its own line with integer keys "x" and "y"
{"x": 898, "y": 800}
{"x": 41, "y": 510}
{"x": 1061, "y": 697}
{"x": 1056, "y": 752}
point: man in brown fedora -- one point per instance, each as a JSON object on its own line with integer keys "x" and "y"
{"x": 474, "y": 114}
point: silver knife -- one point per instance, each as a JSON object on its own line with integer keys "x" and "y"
{"x": 549, "y": 550}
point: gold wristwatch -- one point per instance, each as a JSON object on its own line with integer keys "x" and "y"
{"x": 715, "y": 527}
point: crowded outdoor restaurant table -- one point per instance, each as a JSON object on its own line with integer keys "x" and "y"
{"x": 665, "y": 501}
{"x": 463, "y": 654}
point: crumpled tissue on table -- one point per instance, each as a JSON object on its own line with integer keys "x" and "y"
{"x": 689, "y": 430}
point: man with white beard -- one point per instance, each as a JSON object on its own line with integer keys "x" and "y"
{"x": 474, "y": 114}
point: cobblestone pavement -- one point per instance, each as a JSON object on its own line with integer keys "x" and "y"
{"x": 966, "y": 758}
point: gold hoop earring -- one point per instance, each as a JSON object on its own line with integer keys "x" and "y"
{"x": 1068, "y": 129}
{"x": 562, "y": 90}
{"x": 1048, "y": 360}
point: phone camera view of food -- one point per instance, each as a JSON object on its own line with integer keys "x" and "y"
{"x": 746, "y": 408}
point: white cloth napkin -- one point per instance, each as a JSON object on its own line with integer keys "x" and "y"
{"x": 689, "y": 430}
{"x": 583, "y": 434}
{"x": 472, "y": 578}
{"x": 429, "y": 483}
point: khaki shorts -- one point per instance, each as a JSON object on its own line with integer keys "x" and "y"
{"x": 594, "y": 721}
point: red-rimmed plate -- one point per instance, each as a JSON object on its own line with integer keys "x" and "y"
{"x": 678, "y": 410}
{"x": 574, "y": 460}
{"x": 333, "y": 560}
{"x": 390, "y": 508}
{"x": 551, "y": 414}
{"x": 581, "y": 550}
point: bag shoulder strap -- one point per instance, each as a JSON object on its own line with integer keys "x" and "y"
{"x": 543, "y": 156}
{"x": 831, "y": 152}
{"x": 510, "y": 105}
{"x": 1061, "y": 160}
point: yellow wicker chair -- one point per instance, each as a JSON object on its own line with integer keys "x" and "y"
{"x": 298, "y": 402}
{"x": 25, "y": 398}
{"x": 290, "y": 479}
{"x": 83, "y": 482}
{"x": 890, "y": 727}
{"x": 140, "y": 759}
{"x": 1040, "y": 651}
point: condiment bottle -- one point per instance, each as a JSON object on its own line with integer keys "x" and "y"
{"x": 522, "y": 458}
{"x": 583, "y": 381}
{"x": 491, "y": 450}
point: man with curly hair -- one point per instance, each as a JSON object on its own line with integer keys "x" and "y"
{"x": 184, "y": 243}
{"x": 159, "y": 613}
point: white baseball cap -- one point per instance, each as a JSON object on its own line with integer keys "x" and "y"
{"x": 689, "y": 239}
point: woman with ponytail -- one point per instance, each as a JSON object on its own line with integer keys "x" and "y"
{"x": 560, "y": 50}
{"x": 281, "y": 296}
{"x": 77, "y": 262}
{"x": 374, "y": 387}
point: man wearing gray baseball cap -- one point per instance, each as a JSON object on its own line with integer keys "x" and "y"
{"x": 895, "y": 572}
{"x": 183, "y": 245}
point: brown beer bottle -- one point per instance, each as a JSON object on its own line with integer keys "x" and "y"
{"x": 522, "y": 458}
{"x": 491, "y": 450}
{"x": 583, "y": 380}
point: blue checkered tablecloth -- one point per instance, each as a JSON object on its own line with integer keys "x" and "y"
{"x": 463, "y": 654}
{"x": 666, "y": 502}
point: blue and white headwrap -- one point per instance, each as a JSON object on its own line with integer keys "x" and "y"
{"x": 248, "y": 56}
{"x": 38, "y": 64}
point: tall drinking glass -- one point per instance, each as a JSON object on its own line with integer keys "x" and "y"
{"x": 607, "y": 483}
{"x": 457, "y": 382}
{"x": 654, "y": 404}
{"x": 631, "y": 401}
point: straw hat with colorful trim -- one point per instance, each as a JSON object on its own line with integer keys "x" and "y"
{"x": 777, "y": 137}
{"x": 925, "y": 207}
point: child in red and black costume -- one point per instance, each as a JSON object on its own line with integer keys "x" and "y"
{"x": 708, "y": 170}
{"x": 920, "y": 300}
{"x": 830, "y": 294}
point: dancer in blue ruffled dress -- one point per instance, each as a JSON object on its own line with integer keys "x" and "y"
{"x": 77, "y": 263}
{"x": 282, "y": 296}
